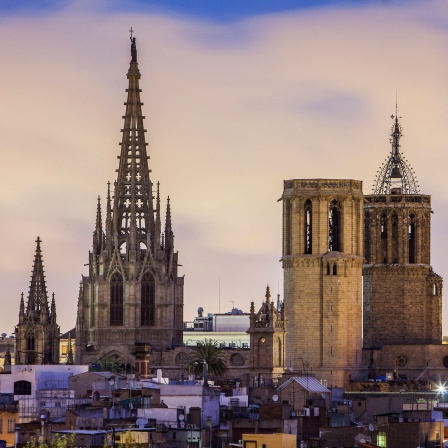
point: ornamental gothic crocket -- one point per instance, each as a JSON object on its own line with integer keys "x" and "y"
{"x": 131, "y": 301}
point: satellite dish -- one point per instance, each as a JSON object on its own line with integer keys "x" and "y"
{"x": 274, "y": 398}
{"x": 371, "y": 427}
{"x": 181, "y": 417}
{"x": 111, "y": 382}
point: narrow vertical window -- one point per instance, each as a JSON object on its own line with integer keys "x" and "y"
{"x": 412, "y": 238}
{"x": 116, "y": 299}
{"x": 147, "y": 301}
{"x": 334, "y": 224}
{"x": 395, "y": 238}
{"x": 367, "y": 242}
{"x": 308, "y": 227}
{"x": 287, "y": 227}
{"x": 383, "y": 224}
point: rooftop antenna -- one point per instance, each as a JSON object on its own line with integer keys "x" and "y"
{"x": 219, "y": 295}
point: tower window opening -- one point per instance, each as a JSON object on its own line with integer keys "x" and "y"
{"x": 308, "y": 226}
{"x": 287, "y": 223}
{"x": 123, "y": 250}
{"x": 334, "y": 224}
{"x": 395, "y": 238}
{"x": 328, "y": 269}
{"x": 116, "y": 299}
{"x": 367, "y": 242}
{"x": 147, "y": 300}
{"x": 412, "y": 239}
{"x": 383, "y": 226}
{"x": 335, "y": 270}
{"x": 434, "y": 290}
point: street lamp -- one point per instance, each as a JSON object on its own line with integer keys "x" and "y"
{"x": 43, "y": 417}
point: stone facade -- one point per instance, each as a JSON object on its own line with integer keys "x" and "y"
{"x": 37, "y": 333}
{"x": 267, "y": 339}
{"x": 402, "y": 294}
{"x": 322, "y": 262}
{"x": 131, "y": 303}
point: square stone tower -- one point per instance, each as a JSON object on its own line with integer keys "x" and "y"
{"x": 322, "y": 261}
{"x": 402, "y": 293}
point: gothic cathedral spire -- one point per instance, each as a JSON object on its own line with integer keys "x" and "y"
{"x": 37, "y": 333}
{"x": 132, "y": 299}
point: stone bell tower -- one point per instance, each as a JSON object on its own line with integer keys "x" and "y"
{"x": 402, "y": 293}
{"x": 322, "y": 262}
{"x": 131, "y": 302}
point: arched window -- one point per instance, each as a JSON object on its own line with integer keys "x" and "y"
{"x": 22, "y": 387}
{"x": 148, "y": 300}
{"x": 308, "y": 226}
{"x": 395, "y": 238}
{"x": 412, "y": 239}
{"x": 30, "y": 342}
{"x": 383, "y": 224}
{"x": 116, "y": 299}
{"x": 30, "y": 348}
{"x": 334, "y": 226}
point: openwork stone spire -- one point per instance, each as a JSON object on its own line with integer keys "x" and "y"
{"x": 396, "y": 176}
{"x": 134, "y": 217}
{"x": 37, "y": 297}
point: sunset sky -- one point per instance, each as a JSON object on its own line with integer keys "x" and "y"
{"x": 238, "y": 96}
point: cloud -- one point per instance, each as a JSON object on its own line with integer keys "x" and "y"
{"x": 232, "y": 109}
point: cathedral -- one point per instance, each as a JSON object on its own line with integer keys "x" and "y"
{"x": 131, "y": 302}
{"x": 361, "y": 298}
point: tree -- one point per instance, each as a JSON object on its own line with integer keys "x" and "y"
{"x": 208, "y": 352}
{"x": 107, "y": 364}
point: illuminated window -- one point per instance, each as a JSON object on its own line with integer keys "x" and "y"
{"x": 381, "y": 439}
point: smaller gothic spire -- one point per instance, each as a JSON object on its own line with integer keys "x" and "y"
{"x": 70, "y": 358}
{"x": 268, "y": 295}
{"x": 169, "y": 236}
{"x": 53, "y": 309}
{"x": 396, "y": 176}
{"x": 158, "y": 225}
{"x": 37, "y": 297}
{"x": 98, "y": 236}
{"x": 22, "y": 309}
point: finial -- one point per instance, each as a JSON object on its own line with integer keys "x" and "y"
{"x": 395, "y": 175}
{"x": 133, "y": 47}
{"x": 268, "y": 294}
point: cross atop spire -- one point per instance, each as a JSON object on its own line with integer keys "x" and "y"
{"x": 396, "y": 176}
